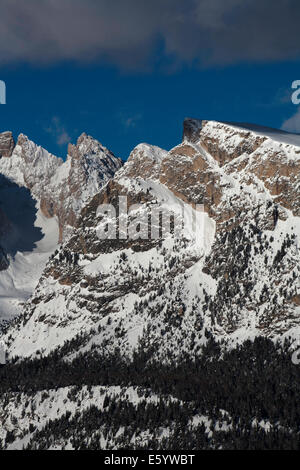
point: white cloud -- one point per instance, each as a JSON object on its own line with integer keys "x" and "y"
{"x": 293, "y": 123}
{"x": 59, "y": 133}
{"x": 132, "y": 121}
{"x": 128, "y": 120}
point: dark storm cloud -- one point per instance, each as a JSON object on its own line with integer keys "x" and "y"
{"x": 126, "y": 32}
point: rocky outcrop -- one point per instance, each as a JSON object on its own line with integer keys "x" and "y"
{"x": 89, "y": 166}
{"x": 7, "y": 144}
{"x": 30, "y": 165}
{"x": 145, "y": 162}
{"x": 192, "y": 129}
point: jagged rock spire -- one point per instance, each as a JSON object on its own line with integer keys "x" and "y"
{"x": 7, "y": 144}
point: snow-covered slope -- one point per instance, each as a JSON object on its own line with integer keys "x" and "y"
{"x": 19, "y": 280}
{"x": 54, "y": 404}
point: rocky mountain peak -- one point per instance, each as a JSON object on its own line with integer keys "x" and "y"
{"x": 144, "y": 161}
{"x": 61, "y": 187}
{"x": 88, "y": 146}
{"x": 22, "y": 139}
{"x": 192, "y": 129}
{"x": 88, "y": 167}
{"x": 7, "y": 144}
{"x": 82, "y": 137}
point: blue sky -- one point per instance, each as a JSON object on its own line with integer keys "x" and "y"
{"x": 54, "y": 105}
{"x": 123, "y": 103}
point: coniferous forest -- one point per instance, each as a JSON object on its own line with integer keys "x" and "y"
{"x": 236, "y": 391}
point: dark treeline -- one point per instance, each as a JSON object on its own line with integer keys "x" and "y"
{"x": 84, "y": 431}
{"x": 255, "y": 380}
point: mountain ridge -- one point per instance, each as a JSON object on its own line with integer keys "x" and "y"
{"x": 225, "y": 169}
{"x": 45, "y": 188}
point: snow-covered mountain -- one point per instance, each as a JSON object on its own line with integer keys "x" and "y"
{"x": 61, "y": 188}
{"x": 239, "y": 280}
{"x": 41, "y": 197}
{"x": 164, "y": 302}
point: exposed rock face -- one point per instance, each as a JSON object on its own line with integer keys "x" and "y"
{"x": 31, "y": 166}
{"x": 225, "y": 148}
{"x": 189, "y": 174}
{"x": 89, "y": 166}
{"x": 7, "y": 144}
{"x": 144, "y": 161}
{"x": 256, "y": 155}
{"x": 192, "y": 129}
